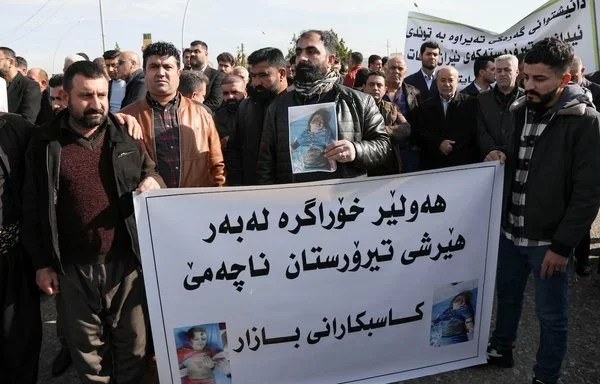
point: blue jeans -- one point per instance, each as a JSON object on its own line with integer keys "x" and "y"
{"x": 551, "y": 306}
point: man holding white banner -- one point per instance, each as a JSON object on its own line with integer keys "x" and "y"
{"x": 551, "y": 197}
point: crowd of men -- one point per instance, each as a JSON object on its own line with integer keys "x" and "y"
{"x": 76, "y": 145}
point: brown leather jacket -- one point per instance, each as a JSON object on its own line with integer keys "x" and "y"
{"x": 199, "y": 145}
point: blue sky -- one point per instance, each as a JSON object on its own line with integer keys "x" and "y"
{"x": 63, "y": 27}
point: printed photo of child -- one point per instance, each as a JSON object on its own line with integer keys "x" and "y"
{"x": 202, "y": 354}
{"x": 453, "y": 318}
{"x": 312, "y": 129}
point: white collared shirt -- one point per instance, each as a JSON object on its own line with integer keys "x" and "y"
{"x": 481, "y": 89}
{"x": 445, "y": 103}
{"x": 3, "y": 96}
{"x": 428, "y": 79}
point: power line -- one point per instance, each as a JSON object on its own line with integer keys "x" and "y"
{"x": 26, "y": 21}
{"x": 40, "y": 24}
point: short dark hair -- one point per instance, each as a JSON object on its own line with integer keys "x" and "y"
{"x": 552, "y": 52}
{"x": 111, "y": 54}
{"x": 272, "y": 56}
{"x": 327, "y": 37}
{"x": 375, "y": 73}
{"x": 20, "y": 62}
{"x": 430, "y": 44}
{"x": 199, "y": 42}
{"x": 56, "y": 81}
{"x": 161, "y": 49}
{"x": 361, "y": 77}
{"x": 85, "y": 68}
{"x": 374, "y": 58}
{"x": 190, "y": 81}
{"x": 190, "y": 333}
{"x": 232, "y": 79}
{"x": 187, "y": 50}
{"x": 480, "y": 63}
{"x": 9, "y": 53}
{"x": 226, "y": 57}
{"x": 356, "y": 57}
{"x": 292, "y": 59}
{"x": 384, "y": 60}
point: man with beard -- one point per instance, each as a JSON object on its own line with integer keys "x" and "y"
{"x": 407, "y": 99}
{"x": 234, "y": 91}
{"x": 187, "y": 55}
{"x": 180, "y": 135}
{"x": 396, "y": 125}
{"x": 424, "y": 79}
{"x": 24, "y": 95}
{"x": 551, "y": 197}
{"x": 484, "y": 71}
{"x": 362, "y": 141}
{"x": 82, "y": 236}
{"x": 268, "y": 80}
{"x": 199, "y": 62}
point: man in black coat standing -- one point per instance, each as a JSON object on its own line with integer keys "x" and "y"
{"x": 24, "y": 95}
{"x": 424, "y": 79}
{"x": 199, "y": 62}
{"x": 129, "y": 69}
{"x": 447, "y": 126}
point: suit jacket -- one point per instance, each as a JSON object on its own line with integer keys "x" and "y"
{"x": 46, "y": 113}
{"x": 418, "y": 81}
{"x": 459, "y": 124}
{"x": 135, "y": 89}
{"x": 595, "y": 90}
{"x": 470, "y": 90}
{"x": 214, "y": 97}
{"x": 24, "y": 97}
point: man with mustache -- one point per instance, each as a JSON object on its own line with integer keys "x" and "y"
{"x": 268, "y": 80}
{"x": 395, "y": 123}
{"x": 424, "y": 79}
{"x": 551, "y": 197}
{"x": 79, "y": 227}
{"x": 179, "y": 134}
{"x": 362, "y": 142}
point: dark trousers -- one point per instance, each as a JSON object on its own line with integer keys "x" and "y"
{"x": 20, "y": 320}
{"x": 102, "y": 310}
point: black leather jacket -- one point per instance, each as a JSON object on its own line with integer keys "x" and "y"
{"x": 359, "y": 122}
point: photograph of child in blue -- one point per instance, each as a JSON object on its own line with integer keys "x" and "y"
{"x": 453, "y": 320}
{"x": 309, "y": 137}
{"x": 202, "y": 355}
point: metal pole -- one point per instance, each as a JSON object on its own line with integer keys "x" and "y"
{"x": 183, "y": 24}
{"x": 102, "y": 26}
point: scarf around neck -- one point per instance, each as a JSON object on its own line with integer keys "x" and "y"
{"x": 317, "y": 88}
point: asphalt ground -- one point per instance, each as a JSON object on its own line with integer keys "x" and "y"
{"x": 581, "y": 364}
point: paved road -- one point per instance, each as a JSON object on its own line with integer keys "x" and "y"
{"x": 581, "y": 366}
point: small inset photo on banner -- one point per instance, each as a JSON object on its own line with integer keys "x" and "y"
{"x": 312, "y": 129}
{"x": 202, "y": 354}
{"x": 453, "y": 313}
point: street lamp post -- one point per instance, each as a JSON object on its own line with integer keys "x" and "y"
{"x": 102, "y": 26}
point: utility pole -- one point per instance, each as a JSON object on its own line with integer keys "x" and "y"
{"x": 387, "y": 45}
{"x": 102, "y": 26}
{"x": 183, "y": 24}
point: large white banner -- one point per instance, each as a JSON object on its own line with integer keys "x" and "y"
{"x": 368, "y": 280}
{"x": 573, "y": 21}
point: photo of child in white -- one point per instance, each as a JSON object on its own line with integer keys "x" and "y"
{"x": 312, "y": 129}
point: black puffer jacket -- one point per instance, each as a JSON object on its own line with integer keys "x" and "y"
{"x": 359, "y": 122}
